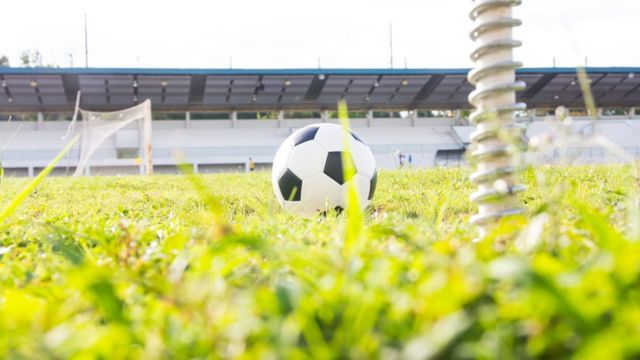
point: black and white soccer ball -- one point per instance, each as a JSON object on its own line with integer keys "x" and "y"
{"x": 308, "y": 172}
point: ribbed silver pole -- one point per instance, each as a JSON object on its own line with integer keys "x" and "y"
{"x": 493, "y": 141}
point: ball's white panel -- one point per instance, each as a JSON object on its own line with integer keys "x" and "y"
{"x": 319, "y": 193}
{"x": 362, "y": 156}
{"x": 298, "y": 208}
{"x": 332, "y": 137}
{"x": 295, "y": 207}
{"x": 307, "y": 159}
{"x": 280, "y": 166}
{"x": 282, "y": 158}
{"x": 362, "y": 185}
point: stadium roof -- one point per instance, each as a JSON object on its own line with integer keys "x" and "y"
{"x": 54, "y": 89}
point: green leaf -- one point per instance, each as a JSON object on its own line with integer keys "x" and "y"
{"x": 105, "y": 298}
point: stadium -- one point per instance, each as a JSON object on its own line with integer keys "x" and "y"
{"x": 198, "y": 190}
{"x": 220, "y": 118}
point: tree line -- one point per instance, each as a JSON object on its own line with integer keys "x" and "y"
{"x": 28, "y": 58}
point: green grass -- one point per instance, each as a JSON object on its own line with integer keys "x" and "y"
{"x": 156, "y": 267}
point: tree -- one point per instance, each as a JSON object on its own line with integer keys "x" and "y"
{"x": 4, "y": 61}
{"x": 272, "y": 115}
{"x": 31, "y": 58}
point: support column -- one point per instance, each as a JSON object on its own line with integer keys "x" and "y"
{"x": 458, "y": 115}
{"x": 234, "y": 119}
{"x": 413, "y": 115}
{"x": 369, "y": 118}
{"x": 187, "y": 120}
{"x": 632, "y": 112}
{"x": 40, "y": 124}
{"x": 599, "y": 113}
{"x": 324, "y": 115}
{"x": 281, "y": 119}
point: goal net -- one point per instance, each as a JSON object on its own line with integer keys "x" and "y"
{"x": 96, "y": 127}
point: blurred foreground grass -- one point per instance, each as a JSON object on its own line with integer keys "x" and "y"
{"x": 137, "y": 267}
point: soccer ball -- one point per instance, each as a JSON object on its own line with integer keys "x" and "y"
{"x": 308, "y": 173}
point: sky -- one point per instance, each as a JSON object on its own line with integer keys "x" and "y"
{"x": 310, "y": 34}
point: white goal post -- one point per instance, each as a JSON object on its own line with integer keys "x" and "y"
{"x": 96, "y": 127}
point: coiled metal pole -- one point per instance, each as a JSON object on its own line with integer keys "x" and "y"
{"x": 492, "y": 149}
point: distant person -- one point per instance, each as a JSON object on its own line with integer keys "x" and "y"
{"x": 401, "y": 160}
{"x": 409, "y": 160}
{"x": 252, "y": 165}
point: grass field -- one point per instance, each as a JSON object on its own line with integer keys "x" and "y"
{"x": 156, "y": 267}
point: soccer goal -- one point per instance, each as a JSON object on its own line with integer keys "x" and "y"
{"x": 96, "y": 127}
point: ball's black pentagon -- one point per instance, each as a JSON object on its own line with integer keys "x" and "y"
{"x": 334, "y": 169}
{"x": 372, "y": 187}
{"x": 305, "y": 135}
{"x": 290, "y": 186}
{"x": 358, "y": 138}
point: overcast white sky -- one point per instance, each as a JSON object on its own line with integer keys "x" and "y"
{"x": 295, "y": 33}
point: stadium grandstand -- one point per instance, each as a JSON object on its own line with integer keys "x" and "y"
{"x": 220, "y": 117}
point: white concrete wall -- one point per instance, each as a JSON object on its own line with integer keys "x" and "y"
{"x": 207, "y": 143}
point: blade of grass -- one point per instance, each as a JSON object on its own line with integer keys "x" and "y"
{"x": 13, "y": 205}
{"x": 4, "y": 146}
{"x": 355, "y": 217}
{"x": 4, "y": 129}
{"x": 587, "y": 94}
{"x": 6, "y": 143}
